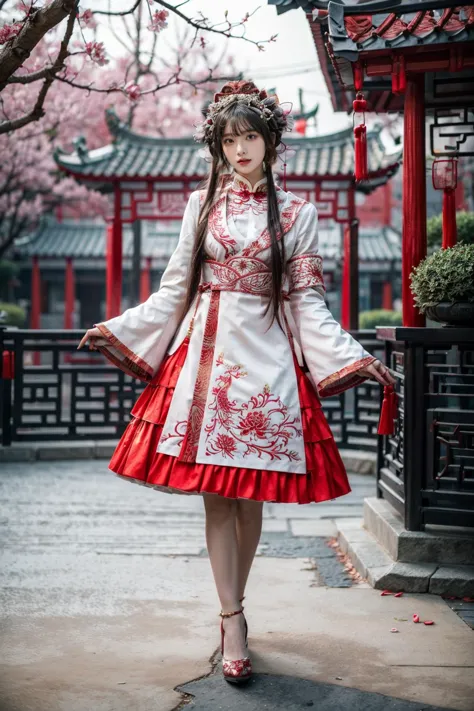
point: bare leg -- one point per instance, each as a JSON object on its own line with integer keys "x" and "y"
{"x": 222, "y": 546}
{"x": 249, "y": 529}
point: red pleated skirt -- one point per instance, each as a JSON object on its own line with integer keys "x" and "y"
{"x": 136, "y": 457}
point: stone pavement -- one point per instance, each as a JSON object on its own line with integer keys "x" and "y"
{"x": 108, "y": 604}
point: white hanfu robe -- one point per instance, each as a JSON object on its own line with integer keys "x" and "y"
{"x": 236, "y": 399}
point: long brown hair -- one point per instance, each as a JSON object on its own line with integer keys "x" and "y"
{"x": 241, "y": 118}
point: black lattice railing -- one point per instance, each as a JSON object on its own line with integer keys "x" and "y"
{"x": 426, "y": 470}
{"x": 58, "y": 392}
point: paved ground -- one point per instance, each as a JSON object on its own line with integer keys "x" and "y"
{"x": 108, "y": 604}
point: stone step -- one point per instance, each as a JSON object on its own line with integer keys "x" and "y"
{"x": 443, "y": 545}
{"x": 372, "y": 561}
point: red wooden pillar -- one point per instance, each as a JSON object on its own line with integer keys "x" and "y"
{"x": 69, "y": 294}
{"x": 350, "y": 269}
{"x": 114, "y": 261}
{"x": 414, "y": 193}
{"x": 145, "y": 281}
{"x": 387, "y": 296}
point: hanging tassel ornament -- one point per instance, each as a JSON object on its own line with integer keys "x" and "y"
{"x": 388, "y": 412}
{"x": 360, "y": 138}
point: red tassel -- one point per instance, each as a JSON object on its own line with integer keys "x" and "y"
{"x": 360, "y": 152}
{"x": 389, "y": 411}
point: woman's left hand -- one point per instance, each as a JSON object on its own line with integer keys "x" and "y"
{"x": 379, "y": 372}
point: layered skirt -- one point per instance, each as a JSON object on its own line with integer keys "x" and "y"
{"x": 136, "y": 458}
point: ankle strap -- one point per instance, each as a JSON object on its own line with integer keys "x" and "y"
{"x": 231, "y": 614}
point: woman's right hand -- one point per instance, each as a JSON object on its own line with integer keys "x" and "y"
{"x": 91, "y": 334}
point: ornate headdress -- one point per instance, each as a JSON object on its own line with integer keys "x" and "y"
{"x": 245, "y": 92}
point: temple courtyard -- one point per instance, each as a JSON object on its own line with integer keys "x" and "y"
{"x": 108, "y": 603}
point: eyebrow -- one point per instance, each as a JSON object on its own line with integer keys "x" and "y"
{"x": 231, "y": 135}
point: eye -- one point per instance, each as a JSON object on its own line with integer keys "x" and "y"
{"x": 226, "y": 140}
{"x": 252, "y": 135}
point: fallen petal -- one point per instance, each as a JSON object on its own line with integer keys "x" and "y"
{"x": 398, "y": 594}
{"x": 394, "y": 629}
{"x": 385, "y": 592}
{"x": 468, "y": 599}
{"x": 416, "y": 618}
{"x": 428, "y": 622}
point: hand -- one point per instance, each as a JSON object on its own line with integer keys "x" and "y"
{"x": 379, "y": 371}
{"x": 91, "y": 334}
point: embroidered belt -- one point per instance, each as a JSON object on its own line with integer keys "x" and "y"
{"x": 259, "y": 285}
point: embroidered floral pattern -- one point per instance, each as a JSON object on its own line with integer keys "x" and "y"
{"x": 288, "y": 216}
{"x": 345, "y": 378}
{"x": 241, "y": 199}
{"x": 260, "y": 426}
{"x": 305, "y": 271}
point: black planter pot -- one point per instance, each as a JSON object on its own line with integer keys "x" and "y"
{"x": 457, "y": 313}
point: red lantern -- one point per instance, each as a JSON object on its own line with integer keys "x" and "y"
{"x": 360, "y": 138}
{"x": 300, "y": 126}
{"x": 445, "y": 177}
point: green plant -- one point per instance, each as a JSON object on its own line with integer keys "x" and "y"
{"x": 8, "y": 271}
{"x": 379, "y": 317}
{"x": 11, "y": 315}
{"x": 464, "y": 224}
{"x": 447, "y": 275}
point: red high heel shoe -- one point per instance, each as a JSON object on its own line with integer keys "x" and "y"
{"x": 236, "y": 671}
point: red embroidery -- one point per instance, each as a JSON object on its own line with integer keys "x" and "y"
{"x": 218, "y": 226}
{"x": 251, "y": 276}
{"x": 196, "y": 413}
{"x": 345, "y": 378}
{"x": 287, "y": 217}
{"x": 219, "y": 229}
{"x": 242, "y": 199}
{"x": 305, "y": 271}
{"x": 260, "y": 426}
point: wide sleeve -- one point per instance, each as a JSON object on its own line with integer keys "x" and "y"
{"x": 137, "y": 340}
{"x": 332, "y": 355}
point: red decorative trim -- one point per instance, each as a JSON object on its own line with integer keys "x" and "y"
{"x": 245, "y": 274}
{"x": 217, "y": 225}
{"x": 287, "y": 218}
{"x": 304, "y": 271}
{"x": 345, "y": 378}
{"x": 196, "y": 412}
{"x": 131, "y": 363}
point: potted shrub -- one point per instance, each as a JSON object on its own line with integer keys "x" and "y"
{"x": 379, "y": 317}
{"x": 443, "y": 285}
{"x": 464, "y": 224}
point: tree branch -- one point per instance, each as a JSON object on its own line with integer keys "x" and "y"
{"x": 37, "y": 24}
{"x": 38, "y": 112}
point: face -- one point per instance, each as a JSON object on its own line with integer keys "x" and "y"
{"x": 245, "y": 153}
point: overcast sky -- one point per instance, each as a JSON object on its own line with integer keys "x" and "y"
{"x": 287, "y": 64}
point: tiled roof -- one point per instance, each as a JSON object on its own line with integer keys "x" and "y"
{"x": 86, "y": 240}
{"x": 133, "y": 156}
{"x": 346, "y": 28}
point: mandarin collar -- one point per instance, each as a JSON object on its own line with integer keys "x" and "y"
{"x": 240, "y": 183}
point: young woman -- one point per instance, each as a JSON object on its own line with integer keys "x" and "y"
{"x": 228, "y": 411}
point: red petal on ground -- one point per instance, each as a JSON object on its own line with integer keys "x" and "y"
{"x": 386, "y": 592}
{"x": 416, "y": 618}
{"x": 428, "y": 622}
{"x": 398, "y": 594}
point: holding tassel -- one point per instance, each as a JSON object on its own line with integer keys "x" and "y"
{"x": 360, "y": 138}
{"x": 389, "y": 411}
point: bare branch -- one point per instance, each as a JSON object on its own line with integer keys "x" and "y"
{"x": 29, "y": 78}
{"x": 37, "y": 24}
{"x": 38, "y": 111}
{"x": 125, "y": 12}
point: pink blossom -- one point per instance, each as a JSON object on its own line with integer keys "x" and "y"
{"x": 87, "y": 19}
{"x": 96, "y": 52}
{"x": 133, "y": 91}
{"x": 8, "y": 32}
{"x": 158, "y": 21}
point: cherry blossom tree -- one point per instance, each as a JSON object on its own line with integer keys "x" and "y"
{"x": 26, "y": 26}
{"x": 75, "y": 103}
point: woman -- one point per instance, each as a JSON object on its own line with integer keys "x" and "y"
{"x": 228, "y": 411}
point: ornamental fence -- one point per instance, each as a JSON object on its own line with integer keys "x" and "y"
{"x": 51, "y": 391}
{"x": 426, "y": 469}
